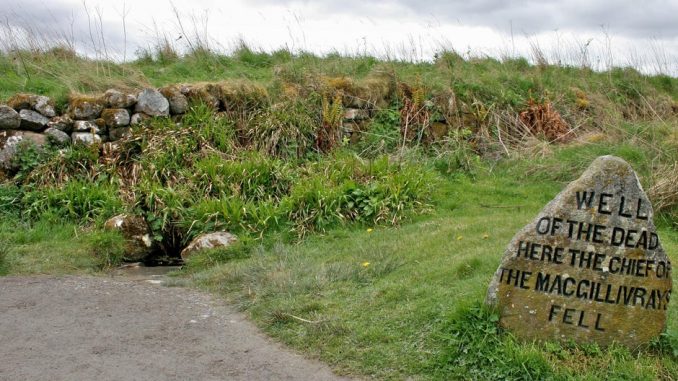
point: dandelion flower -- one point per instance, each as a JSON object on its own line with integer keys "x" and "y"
{"x": 365, "y": 264}
{"x": 370, "y": 230}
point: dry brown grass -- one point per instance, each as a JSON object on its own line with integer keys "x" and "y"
{"x": 664, "y": 191}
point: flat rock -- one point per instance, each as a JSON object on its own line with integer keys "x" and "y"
{"x": 590, "y": 267}
{"x": 9, "y": 118}
{"x": 139, "y": 244}
{"x": 208, "y": 241}
{"x": 86, "y": 126}
{"x": 32, "y": 120}
{"x": 86, "y": 138}
{"x": 62, "y": 123}
{"x": 152, "y": 102}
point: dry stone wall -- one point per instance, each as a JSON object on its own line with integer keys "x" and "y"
{"x": 108, "y": 117}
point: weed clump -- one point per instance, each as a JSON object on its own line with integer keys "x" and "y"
{"x": 475, "y": 348}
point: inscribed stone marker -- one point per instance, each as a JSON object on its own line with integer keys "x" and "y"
{"x": 590, "y": 267}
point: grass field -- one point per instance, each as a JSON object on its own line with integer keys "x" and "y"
{"x": 375, "y": 255}
{"x": 398, "y": 302}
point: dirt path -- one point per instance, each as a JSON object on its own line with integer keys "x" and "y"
{"x": 88, "y": 328}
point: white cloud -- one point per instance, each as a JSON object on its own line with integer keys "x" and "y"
{"x": 567, "y": 31}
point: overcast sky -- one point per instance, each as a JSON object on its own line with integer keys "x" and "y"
{"x": 598, "y": 32}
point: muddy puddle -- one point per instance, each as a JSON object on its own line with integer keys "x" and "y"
{"x": 142, "y": 273}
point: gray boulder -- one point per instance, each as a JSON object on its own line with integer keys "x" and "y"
{"x": 45, "y": 106}
{"x": 86, "y": 126}
{"x": 115, "y": 117}
{"x": 152, "y": 102}
{"x": 86, "y": 138}
{"x": 8, "y": 151}
{"x": 32, "y": 121}
{"x": 9, "y": 118}
{"x": 208, "y": 241}
{"x": 117, "y": 99}
{"x": 11, "y": 142}
{"x": 57, "y": 136}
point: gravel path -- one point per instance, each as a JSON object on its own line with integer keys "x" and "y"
{"x": 92, "y": 328}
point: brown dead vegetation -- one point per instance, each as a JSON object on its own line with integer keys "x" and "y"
{"x": 664, "y": 191}
{"x": 542, "y": 119}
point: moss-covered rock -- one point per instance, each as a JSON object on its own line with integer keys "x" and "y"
{"x": 82, "y": 107}
{"x": 590, "y": 267}
{"x": 22, "y": 101}
{"x": 57, "y": 137}
{"x": 371, "y": 92}
{"x": 115, "y": 117}
{"x": 137, "y": 234}
{"x": 177, "y": 100}
{"x": 117, "y": 99}
{"x": 208, "y": 93}
{"x": 242, "y": 95}
{"x": 86, "y": 126}
{"x": 86, "y": 138}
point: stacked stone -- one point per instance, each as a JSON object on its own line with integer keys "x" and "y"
{"x": 354, "y": 121}
{"x": 25, "y": 118}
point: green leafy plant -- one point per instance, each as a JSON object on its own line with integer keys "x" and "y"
{"x": 382, "y": 134}
{"x": 477, "y": 349}
{"x": 285, "y": 130}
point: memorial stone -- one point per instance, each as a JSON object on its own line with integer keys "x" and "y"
{"x": 590, "y": 268}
